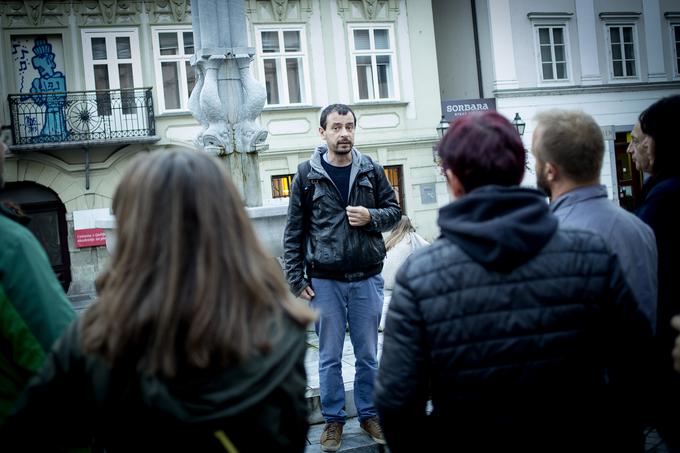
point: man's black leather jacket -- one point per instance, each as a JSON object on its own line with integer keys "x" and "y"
{"x": 320, "y": 240}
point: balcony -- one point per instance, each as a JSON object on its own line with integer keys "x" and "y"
{"x": 82, "y": 118}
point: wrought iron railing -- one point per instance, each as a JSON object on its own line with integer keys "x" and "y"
{"x": 77, "y": 116}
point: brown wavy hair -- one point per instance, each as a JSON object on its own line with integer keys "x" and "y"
{"x": 189, "y": 284}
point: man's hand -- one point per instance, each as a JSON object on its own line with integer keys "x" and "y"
{"x": 675, "y": 322}
{"x": 358, "y": 215}
{"x": 307, "y": 293}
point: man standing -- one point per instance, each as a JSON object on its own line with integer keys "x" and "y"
{"x": 33, "y": 308}
{"x": 340, "y": 203}
{"x": 569, "y": 148}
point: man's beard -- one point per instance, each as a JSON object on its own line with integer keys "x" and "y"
{"x": 338, "y": 150}
{"x": 542, "y": 182}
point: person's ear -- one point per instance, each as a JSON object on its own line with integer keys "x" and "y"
{"x": 455, "y": 185}
{"x": 322, "y": 132}
{"x": 552, "y": 173}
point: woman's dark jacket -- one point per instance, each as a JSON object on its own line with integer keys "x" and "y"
{"x": 661, "y": 198}
{"x": 319, "y": 240}
{"x": 524, "y": 337}
{"x": 257, "y": 406}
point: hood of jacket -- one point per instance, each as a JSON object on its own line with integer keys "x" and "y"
{"x": 358, "y": 164}
{"x": 218, "y": 393}
{"x": 499, "y": 227}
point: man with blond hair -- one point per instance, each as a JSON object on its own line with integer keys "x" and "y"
{"x": 569, "y": 149}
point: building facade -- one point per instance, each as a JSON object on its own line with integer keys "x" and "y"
{"x": 609, "y": 58}
{"x": 89, "y": 84}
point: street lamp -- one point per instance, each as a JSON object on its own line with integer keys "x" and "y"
{"x": 442, "y": 127}
{"x": 519, "y": 124}
{"x": 441, "y": 130}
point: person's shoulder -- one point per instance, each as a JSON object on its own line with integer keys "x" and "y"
{"x": 573, "y": 239}
{"x": 13, "y": 234}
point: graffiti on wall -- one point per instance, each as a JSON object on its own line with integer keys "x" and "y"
{"x": 48, "y": 88}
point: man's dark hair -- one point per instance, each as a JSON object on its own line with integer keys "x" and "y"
{"x": 660, "y": 122}
{"x": 342, "y": 109}
{"x": 482, "y": 149}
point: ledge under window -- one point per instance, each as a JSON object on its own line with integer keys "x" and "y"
{"x": 626, "y": 15}
{"x": 292, "y": 107}
{"x": 549, "y": 16}
{"x": 378, "y": 103}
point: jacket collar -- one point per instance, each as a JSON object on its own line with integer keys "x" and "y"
{"x": 359, "y": 164}
{"x": 578, "y": 195}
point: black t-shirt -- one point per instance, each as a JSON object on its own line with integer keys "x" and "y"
{"x": 340, "y": 176}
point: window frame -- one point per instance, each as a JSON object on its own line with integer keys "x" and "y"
{"x": 181, "y": 58}
{"x": 289, "y": 177}
{"x": 280, "y": 57}
{"x": 567, "y": 53}
{"x": 610, "y": 57}
{"x": 112, "y": 33}
{"x": 675, "y": 51}
{"x": 399, "y": 192}
{"x": 392, "y": 52}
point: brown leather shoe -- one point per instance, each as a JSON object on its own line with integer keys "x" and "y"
{"x": 331, "y": 437}
{"x": 371, "y": 426}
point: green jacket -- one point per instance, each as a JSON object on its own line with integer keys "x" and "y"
{"x": 258, "y": 405}
{"x": 34, "y": 310}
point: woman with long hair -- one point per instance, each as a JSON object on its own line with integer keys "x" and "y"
{"x": 402, "y": 241}
{"x": 194, "y": 343}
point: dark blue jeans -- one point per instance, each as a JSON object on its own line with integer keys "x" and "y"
{"x": 358, "y": 304}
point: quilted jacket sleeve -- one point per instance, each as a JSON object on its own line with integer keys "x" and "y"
{"x": 402, "y": 387}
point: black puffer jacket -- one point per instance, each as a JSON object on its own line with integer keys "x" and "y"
{"x": 322, "y": 241}
{"x": 523, "y": 336}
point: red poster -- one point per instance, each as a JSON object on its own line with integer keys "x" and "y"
{"x": 90, "y": 237}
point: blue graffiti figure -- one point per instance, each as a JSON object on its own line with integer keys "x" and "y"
{"x": 53, "y": 84}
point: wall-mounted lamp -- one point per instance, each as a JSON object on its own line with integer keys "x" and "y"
{"x": 441, "y": 128}
{"x": 519, "y": 124}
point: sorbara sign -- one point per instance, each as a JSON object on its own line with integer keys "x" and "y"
{"x": 455, "y": 108}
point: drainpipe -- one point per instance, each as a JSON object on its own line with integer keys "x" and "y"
{"x": 478, "y": 58}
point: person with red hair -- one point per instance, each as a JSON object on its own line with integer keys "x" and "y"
{"x": 523, "y": 336}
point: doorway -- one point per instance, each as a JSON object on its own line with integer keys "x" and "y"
{"x": 629, "y": 179}
{"x": 48, "y": 223}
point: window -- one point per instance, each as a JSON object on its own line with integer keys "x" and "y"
{"x": 283, "y": 65}
{"x": 175, "y": 77}
{"x": 675, "y": 38}
{"x": 112, "y": 63}
{"x": 281, "y": 186}
{"x": 393, "y": 173}
{"x": 622, "y": 51}
{"x": 373, "y": 62}
{"x": 552, "y": 51}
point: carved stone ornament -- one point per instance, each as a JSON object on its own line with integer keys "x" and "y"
{"x": 34, "y": 13}
{"x": 267, "y": 11}
{"x": 280, "y": 8}
{"x": 170, "y": 11}
{"x": 372, "y": 9}
{"x": 108, "y": 12}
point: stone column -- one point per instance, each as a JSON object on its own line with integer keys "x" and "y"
{"x": 227, "y": 99}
